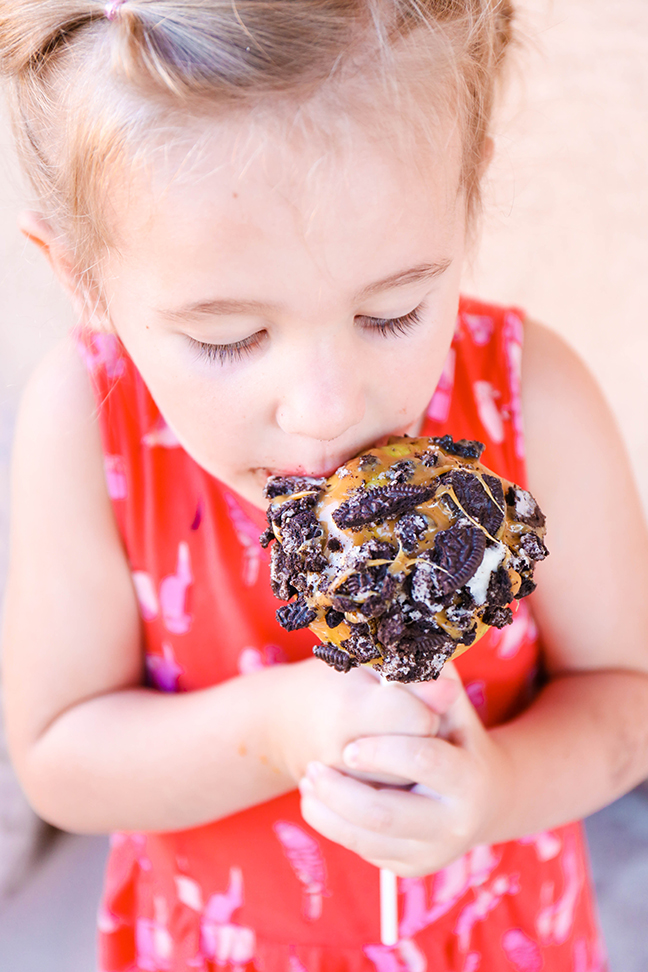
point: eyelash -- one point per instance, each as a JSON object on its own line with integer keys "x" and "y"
{"x": 395, "y": 325}
{"x": 227, "y": 352}
{"x": 224, "y": 353}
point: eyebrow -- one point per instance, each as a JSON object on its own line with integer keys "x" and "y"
{"x": 427, "y": 271}
{"x": 225, "y": 306}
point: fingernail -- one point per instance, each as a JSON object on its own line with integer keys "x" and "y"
{"x": 314, "y": 771}
{"x": 351, "y": 754}
{"x": 305, "y": 786}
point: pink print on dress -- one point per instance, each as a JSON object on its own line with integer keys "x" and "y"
{"x": 555, "y": 918}
{"x": 173, "y": 594}
{"x": 481, "y": 328}
{"x": 521, "y": 951}
{"x": 439, "y": 407}
{"x": 508, "y": 641}
{"x": 104, "y": 352}
{"x": 247, "y": 534}
{"x": 405, "y": 956}
{"x": 163, "y": 671}
{"x": 146, "y": 595}
{"x": 513, "y": 338}
{"x": 153, "y": 941}
{"x": 115, "y": 472}
{"x": 162, "y": 436}
{"x": 221, "y": 941}
{"x": 294, "y": 962}
{"x": 486, "y": 396}
{"x": 476, "y": 692}
{"x": 306, "y": 860}
{"x": 449, "y": 887}
{"x": 547, "y": 844}
{"x": 486, "y": 900}
{"x": 252, "y": 660}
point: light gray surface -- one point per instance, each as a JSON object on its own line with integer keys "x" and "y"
{"x": 49, "y": 924}
{"x": 618, "y": 839}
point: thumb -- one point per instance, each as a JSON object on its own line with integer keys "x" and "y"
{"x": 438, "y": 695}
{"x": 460, "y": 720}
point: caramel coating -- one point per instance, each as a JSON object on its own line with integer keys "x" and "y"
{"x": 404, "y": 557}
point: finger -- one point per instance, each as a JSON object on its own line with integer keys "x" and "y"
{"x": 439, "y": 765}
{"x": 385, "y": 812}
{"x": 439, "y": 695}
{"x": 371, "y": 846}
{"x": 459, "y": 720}
{"x": 394, "y": 709}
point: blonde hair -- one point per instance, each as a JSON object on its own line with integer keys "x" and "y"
{"x": 89, "y": 83}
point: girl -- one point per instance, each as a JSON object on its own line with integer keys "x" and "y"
{"x": 260, "y": 211}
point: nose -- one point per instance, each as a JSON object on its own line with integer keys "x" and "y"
{"x": 321, "y": 395}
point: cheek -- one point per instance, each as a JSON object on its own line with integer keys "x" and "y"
{"x": 410, "y": 372}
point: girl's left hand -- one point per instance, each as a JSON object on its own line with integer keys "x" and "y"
{"x": 462, "y": 783}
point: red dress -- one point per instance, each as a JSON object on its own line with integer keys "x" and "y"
{"x": 260, "y": 889}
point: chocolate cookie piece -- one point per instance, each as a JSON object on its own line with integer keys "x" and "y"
{"x": 523, "y": 508}
{"x": 409, "y": 529}
{"x": 533, "y": 546}
{"x": 289, "y": 485}
{"x": 337, "y": 659}
{"x": 404, "y": 557}
{"x": 466, "y": 448}
{"x": 458, "y": 552}
{"x": 384, "y": 502}
{"x": 296, "y": 615}
{"x": 333, "y": 618}
{"x": 476, "y": 501}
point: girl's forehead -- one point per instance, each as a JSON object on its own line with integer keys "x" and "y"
{"x": 260, "y": 168}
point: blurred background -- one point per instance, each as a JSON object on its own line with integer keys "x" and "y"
{"x": 564, "y": 236}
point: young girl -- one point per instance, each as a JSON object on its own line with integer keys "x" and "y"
{"x": 260, "y": 211}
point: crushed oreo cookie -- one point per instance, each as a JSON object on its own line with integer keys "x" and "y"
{"x": 465, "y": 448}
{"x": 382, "y": 503}
{"x": 404, "y": 557}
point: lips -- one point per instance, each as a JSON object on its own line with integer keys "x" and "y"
{"x": 315, "y": 472}
{"x": 329, "y": 466}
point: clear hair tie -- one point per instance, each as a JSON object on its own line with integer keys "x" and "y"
{"x": 111, "y": 10}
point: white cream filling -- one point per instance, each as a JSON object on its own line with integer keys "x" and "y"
{"x": 478, "y": 583}
{"x": 524, "y": 502}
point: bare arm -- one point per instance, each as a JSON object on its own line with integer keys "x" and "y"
{"x": 587, "y": 735}
{"x": 95, "y": 750}
{"x": 584, "y": 741}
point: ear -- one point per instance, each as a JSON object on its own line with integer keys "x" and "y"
{"x": 37, "y": 229}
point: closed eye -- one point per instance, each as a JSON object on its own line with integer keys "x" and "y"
{"x": 389, "y": 326}
{"x": 224, "y": 353}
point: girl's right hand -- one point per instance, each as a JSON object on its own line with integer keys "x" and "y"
{"x": 319, "y": 711}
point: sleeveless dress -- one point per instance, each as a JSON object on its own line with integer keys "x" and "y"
{"x": 260, "y": 890}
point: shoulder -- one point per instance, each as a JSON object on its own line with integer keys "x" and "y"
{"x": 58, "y": 397}
{"x": 553, "y": 374}
{"x": 568, "y": 422}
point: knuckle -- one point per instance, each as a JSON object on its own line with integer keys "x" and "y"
{"x": 425, "y": 757}
{"x": 379, "y": 819}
